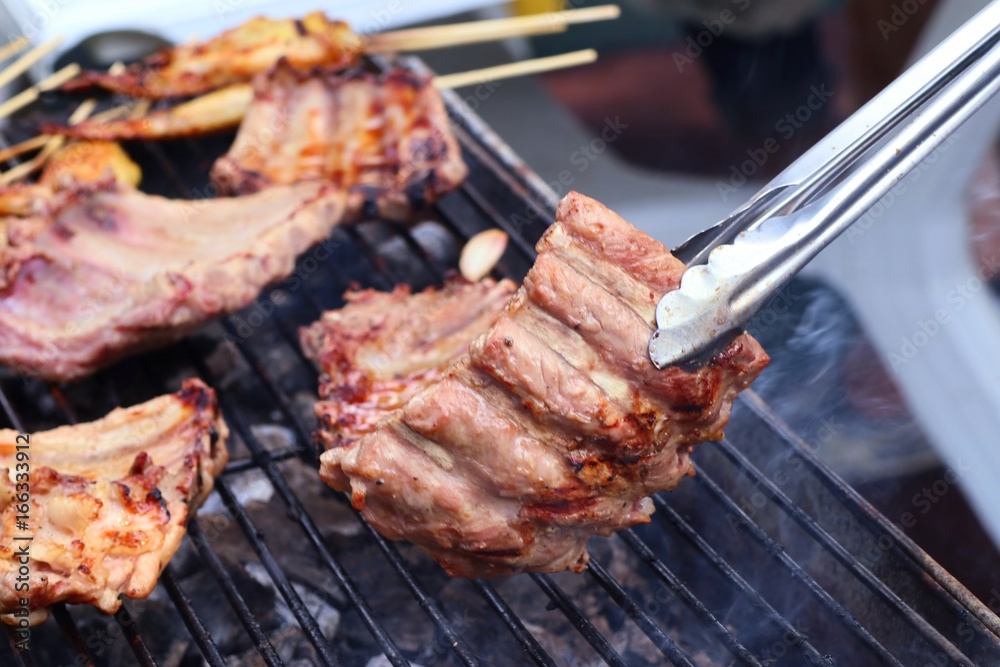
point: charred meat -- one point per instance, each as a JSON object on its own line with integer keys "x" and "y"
{"x": 555, "y": 426}
{"x": 234, "y": 56}
{"x": 108, "y": 502}
{"x": 383, "y": 138}
{"x": 382, "y": 348}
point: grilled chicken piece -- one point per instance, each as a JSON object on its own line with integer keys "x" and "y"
{"x": 383, "y": 347}
{"x": 121, "y": 271}
{"x": 109, "y": 500}
{"x": 383, "y": 138}
{"x": 232, "y": 57}
{"x": 216, "y": 111}
{"x": 555, "y": 426}
{"x": 78, "y": 165}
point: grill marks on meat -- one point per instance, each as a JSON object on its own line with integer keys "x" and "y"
{"x": 555, "y": 426}
{"x": 382, "y": 348}
{"x": 233, "y": 56}
{"x": 383, "y": 138}
{"x": 121, "y": 271}
{"x": 110, "y": 500}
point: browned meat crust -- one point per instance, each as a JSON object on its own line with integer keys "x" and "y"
{"x": 382, "y": 348}
{"x": 119, "y": 271}
{"x": 383, "y": 138}
{"x": 109, "y": 500}
{"x": 235, "y": 55}
{"x": 555, "y": 426}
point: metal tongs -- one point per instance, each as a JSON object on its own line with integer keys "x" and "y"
{"x": 740, "y": 264}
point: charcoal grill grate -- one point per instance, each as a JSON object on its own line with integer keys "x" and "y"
{"x": 893, "y": 608}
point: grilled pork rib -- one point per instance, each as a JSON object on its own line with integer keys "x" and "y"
{"x": 555, "y": 426}
{"x": 382, "y": 348}
{"x": 383, "y": 138}
{"x": 120, "y": 271}
{"x": 109, "y": 500}
{"x": 235, "y": 55}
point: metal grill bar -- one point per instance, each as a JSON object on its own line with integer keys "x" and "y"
{"x": 126, "y": 621}
{"x": 666, "y": 645}
{"x": 949, "y": 590}
{"x": 426, "y": 602}
{"x": 307, "y": 622}
{"x": 579, "y": 621}
{"x": 72, "y": 633}
{"x": 841, "y": 554}
{"x": 510, "y": 619}
{"x": 777, "y": 552}
{"x": 198, "y": 630}
{"x": 672, "y": 582}
{"x": 12, "y": 416}
{"x": 236, "y": 601}
{"x": 733, "y": 576}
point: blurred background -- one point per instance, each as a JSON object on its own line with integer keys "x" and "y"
{"x": 691, "y": 107}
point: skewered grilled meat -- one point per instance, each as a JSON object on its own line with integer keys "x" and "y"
{"x": 119, "y": 271}
{"x": 218, "y": 110}
{"x": 555, "y": 426}
{"x": 232, "y": 57}
{"x": 384, "y": 347}
{"x": 383, "y": 138}
{"x": 109, "y": 501}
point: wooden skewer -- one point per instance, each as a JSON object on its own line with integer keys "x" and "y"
{"x": 522, "y": 68}
{"x": 28, "y": 145}
{"x": 23, "y": 147}
{"x": 29, "y": 95}
{"x": 12, "y": 48}
{"x": 21, "y": 65}
{"x": 49, "y": 143}
{"x": 434, "y": 37}
{"x": 52, "y": 144}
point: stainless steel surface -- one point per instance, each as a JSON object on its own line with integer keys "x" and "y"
{"x": 756, "y": 250}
